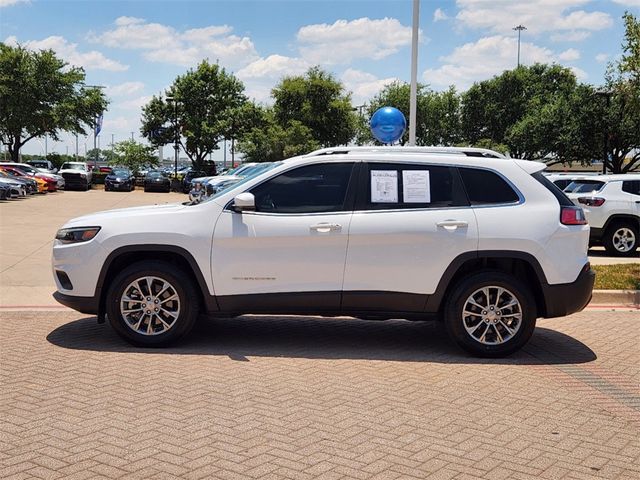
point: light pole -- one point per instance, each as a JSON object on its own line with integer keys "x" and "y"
{"x": 413, "y": 96}
{"x": 176, "y": 134}
{"x": 519, "y": 28}
{"x": 97, "y": 122}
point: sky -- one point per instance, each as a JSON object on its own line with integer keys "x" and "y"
{"x": 137, "y": 48}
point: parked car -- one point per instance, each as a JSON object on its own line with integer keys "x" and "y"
{"x": 76, "y": 175}
{"x": 105, "y": 169}
{"x": 54, "y": 181}
{"x": 611, "y": 204}
{"x": 188, "y": 176}
{"x": 359, "y": 232}
{"x": 120, "y": 179}
{"x": 5, "y": 192}
{"x": 17, "y": 188}
{"x": 563, "y": 180}
{"x": 45, "y": 166}
{"x": 156, "y": 181}
{"x": 35, "y": 184}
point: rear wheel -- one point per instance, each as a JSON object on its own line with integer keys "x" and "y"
{"x": 152, "y": 304}
{"x": 490, "y": 314}
{"x": 621, "y": 239}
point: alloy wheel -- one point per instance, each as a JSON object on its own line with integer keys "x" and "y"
{"x": 492, "y": 315}
{"x": 150, "y": 305}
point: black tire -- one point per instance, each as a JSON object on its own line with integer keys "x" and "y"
{"x": 88, "y": 186}
{"x": 146, "y": 189}
{"x": 181, "y": 285}
{"x": 454, "y": 320}
{"x": 616, "y": 228}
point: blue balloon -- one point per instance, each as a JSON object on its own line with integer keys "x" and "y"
{"x": 388, "y": 124}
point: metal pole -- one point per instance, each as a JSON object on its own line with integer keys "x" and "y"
{"x": 606, "y": 134}
{"x": 519, "y": 28}
{"x": 131, "y": 136}
{"x": 224, "y": 155}
{"x": 113, "y": 136}
{"x": 95, "y": 137}
{"x": 176, "y": 138}
{"x": 46, "y": 145}
{"x": 413, "y": 99}
{"x": 76, "y": 146}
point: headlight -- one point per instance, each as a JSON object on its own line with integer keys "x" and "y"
{"x": 83, "y": 175}
{"x": 76, "y": 235}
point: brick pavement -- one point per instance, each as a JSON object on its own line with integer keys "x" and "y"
{"x": 301, "y": 398}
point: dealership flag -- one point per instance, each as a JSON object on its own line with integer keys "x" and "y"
{"x": 98, "y": 125}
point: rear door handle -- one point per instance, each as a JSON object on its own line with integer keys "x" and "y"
{"x": 452, "y": 224}
{"x": 325, "y": 227}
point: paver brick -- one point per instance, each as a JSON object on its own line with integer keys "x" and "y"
{"x": 309, "y": 398}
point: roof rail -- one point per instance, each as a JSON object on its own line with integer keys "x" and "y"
{"x": 468, "y": 151}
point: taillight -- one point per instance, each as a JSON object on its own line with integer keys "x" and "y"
{"x": 572, "y": 216}
{"x": 591, "y": 201}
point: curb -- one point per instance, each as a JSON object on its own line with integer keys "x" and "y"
{"x": 620, "y": 297}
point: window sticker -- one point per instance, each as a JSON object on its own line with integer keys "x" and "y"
{"x": 384, "y": 186}
{"x": 415, "y": 186}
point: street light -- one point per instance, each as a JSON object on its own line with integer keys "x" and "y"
{"x": 95, "y": 127}
{"x": 603, "y": 92}
{"x": 519, "y": 28}
{"x": 413, "y": 93}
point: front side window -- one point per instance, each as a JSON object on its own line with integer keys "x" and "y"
{"x": 584, "y": 186}
{"x": 309, "y": 189}
{"x": 485, "y": 187}
{"x": 411, "y": 185}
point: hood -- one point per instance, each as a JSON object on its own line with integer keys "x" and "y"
{"x": 99, "y": 218}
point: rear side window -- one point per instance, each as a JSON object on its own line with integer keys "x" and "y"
{"x": 409, "y": 185}
{"x": 631, "y": 186}
{"x": 584, "y": 186}
{"x": 553, "y": 187}
{"x": 485, "y": 187}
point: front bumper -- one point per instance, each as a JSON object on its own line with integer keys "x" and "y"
{"x": 567, "y": 298}
{"x": 118, "y": 185}
{"x": 87, "y": 305}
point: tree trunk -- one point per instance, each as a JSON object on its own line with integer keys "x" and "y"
{"x": 14, "y": 149}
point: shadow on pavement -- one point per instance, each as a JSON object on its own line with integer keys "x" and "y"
{"x": 323, "y": 338}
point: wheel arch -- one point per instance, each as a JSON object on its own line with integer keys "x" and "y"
{"x": 522, "y": 265}
{"x": 175, "y": 255}
{"x": 624, "y": 217}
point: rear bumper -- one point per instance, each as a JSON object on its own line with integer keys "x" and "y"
{"x": 568, "y": 298}
{"x": 81, "y": 304}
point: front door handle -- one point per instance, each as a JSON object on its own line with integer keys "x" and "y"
{"x": 452, "y": 224}
{"x": 325, "y": 227}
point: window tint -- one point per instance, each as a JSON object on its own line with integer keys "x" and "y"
{"x": 631, "y": 186}
{"x": 309, "y": 189}
{"x": 584, "y": 186}
{"x": 410, "y": 186}
{"x": 485, "y": 187}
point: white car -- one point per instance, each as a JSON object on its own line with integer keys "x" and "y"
{"x": 486, "y": 245}
{"x": 76, "y": 175}
{"x": 611, "y": 204}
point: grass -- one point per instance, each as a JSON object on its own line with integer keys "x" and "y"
{"x": 617, "y": 277}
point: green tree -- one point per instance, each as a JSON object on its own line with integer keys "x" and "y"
{"x": 205, "y": 101}
{"x": 621, "y": 117}
{"x": 134, "y": 155}
{"x": 42, "y": 95}
{"x": 318, "y": 102}
{"x": 269, "y": 141}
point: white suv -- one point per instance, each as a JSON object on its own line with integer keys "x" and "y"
{"x": 612, "y": 206}
{"x": 485, "y": 244}
{"x": 76, "y": 175}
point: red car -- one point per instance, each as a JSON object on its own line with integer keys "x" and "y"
{"x": 52, "y": 184}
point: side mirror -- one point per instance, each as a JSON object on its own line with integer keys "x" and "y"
{"x": 244, "y": 202}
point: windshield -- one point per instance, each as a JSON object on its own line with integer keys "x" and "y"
{"x": 255, "y": 169}
{"x": 154, "y": 174}
{"x": 120, "y": 172}
{"x": 268, "y": 167}
{"x": 39, "y": 164}
{"x": 584, "y": 186}
{"x": 72, "y": 166}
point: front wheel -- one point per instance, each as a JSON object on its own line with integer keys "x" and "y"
{"x": 621, "y": 239}
{"x": 152, "y": 304}
{"x": 490, "y": 314}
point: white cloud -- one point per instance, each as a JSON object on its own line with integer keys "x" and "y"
{"x": 539, "y": 16}
{"x": 91, "y": 60}
{"x": 363, "y": 85}
{"x": 572, "y": 36}
{"x": 628, "y": 3}
{"x": 125, "y": 89}
{"x": 8, "y": 3}
{"x": 261, "y": 75}
{"x": 602, "y": 57}
{"x": 165, "y": 44}
{"x": 135, "y": 103}
{"x": 439, "y": 15}
{"x": 569, "y": 55}
{"x": 344, "y": 41}
{"x": 490, "y": 56}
